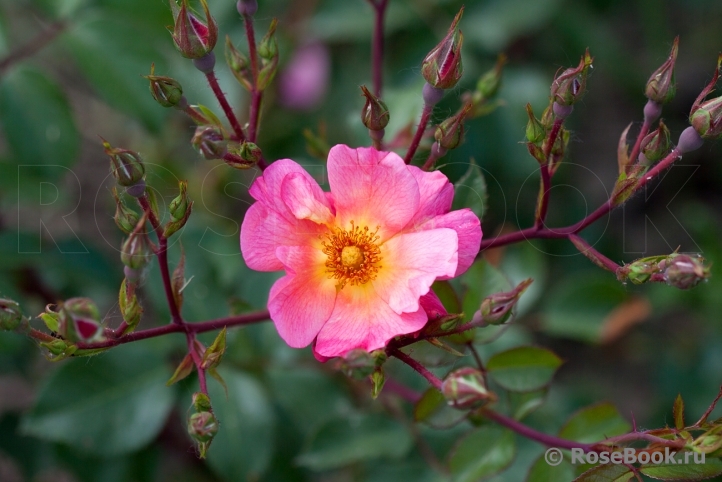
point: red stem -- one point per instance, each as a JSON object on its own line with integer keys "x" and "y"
{"x": 37, "y": 43}
{"x": 546, "y": 178}
{"x": 197, "y": 361}
{"x": 418, "y": 367}
{"x": 598, "y": 258}
{"x": 194, "y": 115}
{"x": 425, "y": 116}
{"x": 216, "y": 88}
{"x": 256, "y": 96}
{"x": 378, "y": 44}
{"x": 638, "y": 143}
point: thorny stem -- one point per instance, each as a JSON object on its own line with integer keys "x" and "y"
{"x": 162, "y": 255}
{"x": 598, "y": 258}
{"x": 37, "y": 43}
{"x": 565, "y": 232}
{"x": 256, "y": 95}
{"x": 216, "y": 88}
{"x": 425, "y": 116}
{"x": 378, "y": 44}
{"x": 418, "y": 367}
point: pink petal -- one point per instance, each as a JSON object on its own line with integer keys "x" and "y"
{"x": 436, "y": 195}
{"x": 411, "y": 262}
{"x": 305, "y": 199}
{"x": 432, "y": 305}
{"x": 302, "y": 301}
{"x": 361, "y": 319}
{"x": 263, "y": 230}
{"x": 468, "y": 228}
{"x": 372, "y": 188}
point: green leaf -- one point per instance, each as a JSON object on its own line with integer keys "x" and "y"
{"x": 37, "y": 121}
{"x": 430, "y": 402}
{"x": 109, "y": 405}
{"x": 243, "y": 447}
{"x": 678, "y": 412}
{"x": 524, "y": 403}
{"x": 447, "y": 295}
{"x": 606, "y": 473}
{"x": 113, "y": 60}
{"x": 594, "y": 423}
{"x": 470, "y": 191}
{"x": 347, "y": 440}
{"x": 485, "y": 451}
{"x": 541, "y": 471}
{"x": 684, "y": 472}
{"x": 523, "y": 369}
{"x": 480, "y": 280}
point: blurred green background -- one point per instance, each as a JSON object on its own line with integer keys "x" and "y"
{"x": 286, "y": 417}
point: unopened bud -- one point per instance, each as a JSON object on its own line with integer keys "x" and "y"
{"x": 465, "y": 388}
{"x": 128, "y": 303}
{"x": 489, "y": 83}
{"x": 165, "y": 90}
{"x": 239, "y": 65}
{"x": 243, "y": 156}
{"x": 641, "y": 270}
{"x": 657, "y": 144}
{"x": 570, "y": 85}
{"x": 125, "y": 218}
{"x": 268, "y": 53}
{"x": 193, "y": 37}
{"x": 76, "y": 319}
{"x": 684, "y": 272}
{"x": 450, "y": 133}
{"x": 179, "y": 204}
{"x": 442, "y": 67}
{"x": 202, "y": 426}
{"x": 375, "y": 114}
{"x": 10, "y": 315}
{"x": 136, "y": 251}
{"x": 209, "y": 142}
{"x": 125, "y": 165}
{"x": 661, "y": 86}
{"x": 496, "y": 309}
{"x": 706, "y": 115}
{"x": 535, "y": 131}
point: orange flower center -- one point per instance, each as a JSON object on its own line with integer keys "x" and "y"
{"x": 353, "y": 255}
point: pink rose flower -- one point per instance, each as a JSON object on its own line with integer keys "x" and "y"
{"x": 361, "y": 259}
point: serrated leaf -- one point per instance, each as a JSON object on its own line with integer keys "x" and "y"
{"x": 107, "y": 405}
{"x": 684, "y": 472}
{"x": 486, "y": 451}
{"x": 678, "y": 412}
{"x": 185, "y": 368}
{"x": 346, "y": 440}
{"x": 594, "y": 423}
{"x": 470, "y": 191}
{"x": 606, "y": 473}
{"x": 523, "y": 369}
{"x": 38, "y": 123}
{"x": 541, "y": 471}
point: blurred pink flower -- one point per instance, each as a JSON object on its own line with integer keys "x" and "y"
{"x": 361, "y": 259}
{"x": 304, "y": 80}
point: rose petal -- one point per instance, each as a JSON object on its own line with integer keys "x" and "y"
{"x": 467, "y": 227}
{"x": 432, "y": 305}
{"x": 361, "y": 319}
{"x": 268, "y": 188}
{"x": 302, "y": 301}
{"x": 305, "y": 199}
{"x": 264, "y": 230}
{"x": 372, "y": 188}
{"x": 410, "y": 264}
{"x": 436, "y": 194}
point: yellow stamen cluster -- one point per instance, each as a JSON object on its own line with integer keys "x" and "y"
{"x": 353, "y": 255}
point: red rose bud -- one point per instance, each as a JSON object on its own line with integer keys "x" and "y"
{"x": 193, "y": 37}
{"x": 126, "y": 166}
{"x": 442, "y": 67}
{"x": 450, "y": 133}
{"x": 684, "y": 272}
{"x": 165, "y": 90}
{"x": 243, "y": 156}
{"x": 661, "y": 86}
{"x": 465, "y": 388}
{"x": 79, "y": 320}
{"x": 570, "y": 85}
{"x": 489, "y": 83}
{"x": 496, "y": 309}
{"x": 641, "y": 270}
{"x": 125, "y": 218}
{"x": 657, "y": 144}
{"x": 10, "y": 315}
{"x": 375, "y": 115}
{"x": 209, "y": 142}
{"x": 239, "y": 65}
{"x": 137, "y": 250}
{"x": 268, "y": 52}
